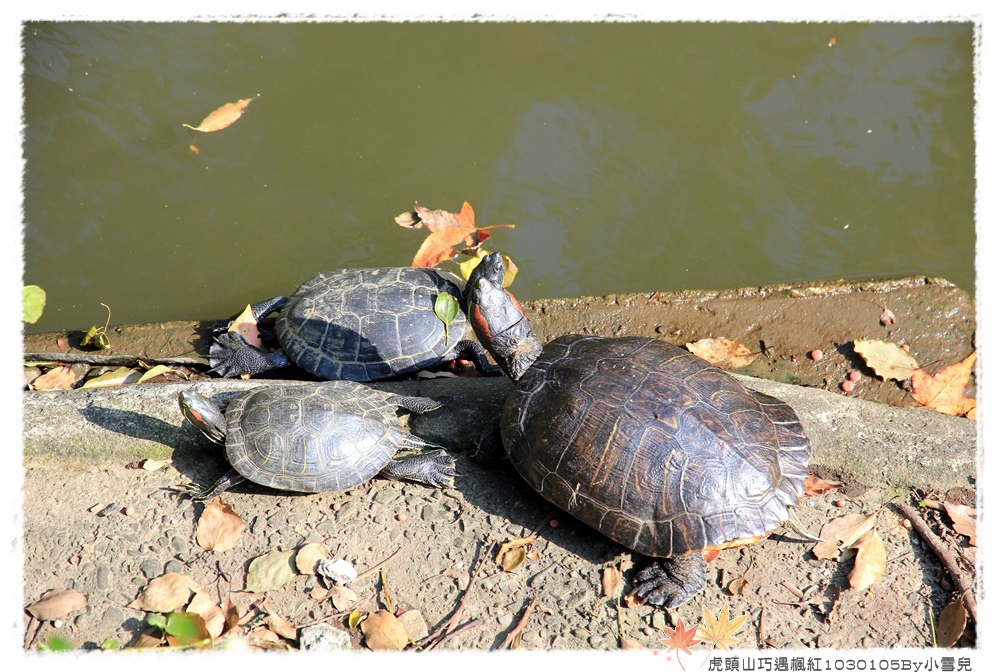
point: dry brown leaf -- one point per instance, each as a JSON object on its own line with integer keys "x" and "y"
{"x": 384, "y": 632}
{"x": 869, "y": 564}
{"x": 611, "y": 582}
{"x": 951, "y": 624}
{"x": 219, "y": 527}
{"x": 448, "y": 230}
{"x": 631, "y": 600}
{"x": 170, "y": 592}
{"x": 246, "y": 326}
{"x": 513, "y": 559}
{"x": 213, "y": 615}
{"x": 887, "y": 360}
{"x": 308, "y": 556}
{"x": 59, "y": 378}
{"x": 945, "y": 390}
{"x": 342, "y": 597}
{"x": 841, "y": 533}
{"x": 57, "y": 603}
{"x": 221, "y": 117}
{"x": 414, "y": 624}
{"x": 723, "y": 352}
{"x": 270, "y": 571}
{"x": 280, "y": 626}
{"x": 963, "y": 519}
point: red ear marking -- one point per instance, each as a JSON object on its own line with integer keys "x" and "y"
{"x": 480, "y": 324}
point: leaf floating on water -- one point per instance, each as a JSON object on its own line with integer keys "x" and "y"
{"x": 887, "y": 360}
{"x": 723, "y": 352}
{"x": 945, "y": 390}
{"x": 222, "y": 117}
{"x": 32, "y": 303}
{"x": 448, "y": 230}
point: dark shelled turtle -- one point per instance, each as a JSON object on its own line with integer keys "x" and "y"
{"x": 316, "y": 437}
{"x": 647, "y": 443}
{"x": 361, "y": 324}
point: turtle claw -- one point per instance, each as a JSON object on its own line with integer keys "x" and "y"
{"x": 671, "y": 582}
{"x": 435, "y": 468}
{"x": 230, "y": 355}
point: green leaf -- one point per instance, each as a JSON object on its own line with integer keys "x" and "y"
{"x": 157, "y": 370}
{"x": 446, "y": 308}
{"x": 56, "y": 643}
{"x": 188, "y": 627}
{"x": 271, "y": 570}
{"x": 109, "y": 644}
{"x": 33, "y": 303}
{"x": 157, "y": 621}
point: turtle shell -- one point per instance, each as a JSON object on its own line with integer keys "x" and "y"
{"x": 369, "y": 323}
{"x": 652, "y": 446}
{"x": 319, "y": 437}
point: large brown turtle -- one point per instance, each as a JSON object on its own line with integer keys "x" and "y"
{"x": 645, "y": 442}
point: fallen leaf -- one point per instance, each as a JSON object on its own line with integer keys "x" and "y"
{"x": 611, "y": 582}
{"x": 353, "y": 619}
{"x": 414, "y": 624}
{"x": 887, "y": 360}
{"x": 59, "y": 378}
{"x": 219, "y": 527}
{"x": 185, "y": 629}
{"x": 308, "y": 556}
{"x": 723, "y": 352}
{"x": 720, "y": 631}
{"x": 680, "y": 638}
{"x": 221, "y": 117}
{"x": 57, "y": 603}
{"x": 945, "y": 390}
{"x": 280, "y": 626}
{"x": 384, "y": 632}
{"x": 342, "y": 597}
{"x": 246, "y": 326}
{"x": 963, "y": 519}
{"x": 156, "y": 465}
{"x": 631, "y": 601}
{"x": 155, "y": 371}
{"x": 270, "y": 571}
{"x": 951, "y": 624}
{"x": 120, "y": 376}
{"x": 513, "y": 559}
{"x": 869, "y": 564}
{"x": 841, "y": 533}
{"x": 212, "y": 614}
{"x": 447, "y": 230}
{"x": 166, "y": 593}
{"x": 737, "y": 586}
{"x": 817, "y": 486}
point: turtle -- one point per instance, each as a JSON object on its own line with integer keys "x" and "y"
{"x": 327, "y": 436}
{"x": 647, "y": 443}
{"x": 360, "y": 324}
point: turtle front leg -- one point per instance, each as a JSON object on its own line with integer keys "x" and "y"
{"x": 230, "y": 355}
{"x": 670, "y": 582}
{"x": 435, "y": 468}
{"x": 228, "y": 480}
{"x": 474, "y": 352}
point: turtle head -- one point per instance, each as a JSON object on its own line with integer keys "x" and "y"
{"x": 201, "y": 412}
{"x": 499, "y": 320}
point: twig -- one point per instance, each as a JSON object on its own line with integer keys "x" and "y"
{"x": 520, "y": 625}
{"x": 760, "y": 629}
{"x": 428, "y": 641}
{"x": 457, "y": 631}
{"x": 960, "y": 579}
{"x": 369, "y": 572}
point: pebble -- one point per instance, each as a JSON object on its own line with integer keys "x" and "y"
{"x": 595, "y": 641}
{"x": 847, "y": 386}
{"x": 112, "y": 619}
{"x": 173, "y": 566}
{"x": 103, "y": 577}
{"x": 659, "y": 620}
{"x": 854, "y": 376}
{"x": 323, "y": 637}
{"x": 816, "y": 355}
{"x": 178, "y": 544}
{"x": 430, "y": 513}
{"x": 151, "y": 568}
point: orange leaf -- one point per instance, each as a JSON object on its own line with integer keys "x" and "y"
{"x": 448, "y": 230}
{"x": 680, "y": 638}
{"x": 841, "y": 533}
{"x": 944, "y": 391}
{"x": 222, "y": 117}
{"x": 246, "y": 326}
{"x": 817, "y": 486}
{"x": 963, "y": 519}
{"x": 869, "y": 565}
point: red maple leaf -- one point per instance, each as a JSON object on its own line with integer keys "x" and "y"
{"x": 679, "y": 638}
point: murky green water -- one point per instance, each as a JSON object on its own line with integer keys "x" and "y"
{"x": 631, "y": 157}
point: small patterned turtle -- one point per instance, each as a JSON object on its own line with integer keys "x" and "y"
{"x": 361, "y": 324}
{"x": 316, "y": 437}
{"x": 642, "y": 440}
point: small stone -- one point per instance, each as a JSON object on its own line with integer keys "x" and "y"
{"x": 178, "y": 544}
{"x": 595, "y": 641}
{"x": 401, "y": 516}
{"x": 323, "y": 637}
{"x": 151, "y": 568}
{"x": 103, "y": 577}
{"x": 847, "y": 386}
{"x": 554, "y": 523}
{"x": 854, "y": 376}
{"x": 173, "y": 566}
{"x": 816, "y": 355}
{"x": 659, "y": 620}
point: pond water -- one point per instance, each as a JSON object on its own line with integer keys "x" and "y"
{"x": 631, "y": 157}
